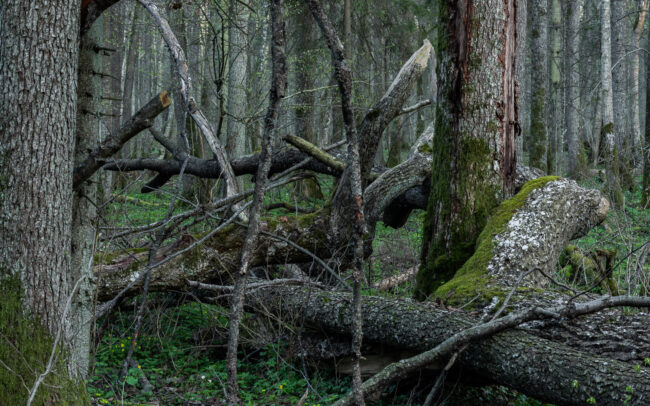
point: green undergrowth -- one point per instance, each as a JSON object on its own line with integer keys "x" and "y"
{"x": 181, "y": 352}
{"x": 625, "y": 231}
{"x": 25, "y": 348}
{"x": 472, "y": 279}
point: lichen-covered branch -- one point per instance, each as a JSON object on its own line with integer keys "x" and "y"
{"x": 524, "y": 233}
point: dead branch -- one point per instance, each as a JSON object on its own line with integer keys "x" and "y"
{"x": 114, "y": 142}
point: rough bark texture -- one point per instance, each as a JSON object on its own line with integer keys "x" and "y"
{"x": 573, "y": 88}
{"x": 474, "y": 144}
{"x": 38, "y": 109}
{"x": 540, "y": 368}
{"x": 539, "y": 85}
{"x": 556, "y": 213}
{"x": 38, "y": 105}
{"x": 84, "y": 210}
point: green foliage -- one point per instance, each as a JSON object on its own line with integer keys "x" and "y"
{"x": 623, "y": 231}
{"x": 170, "y": 356}
{"x": 25, "y": 348}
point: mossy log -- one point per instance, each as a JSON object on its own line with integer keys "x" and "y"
{"x": 217, "y": 258}
{"x": 523, "y": 238}
{"x": 546, "y": 370}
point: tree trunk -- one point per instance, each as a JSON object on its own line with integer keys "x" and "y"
{"x": 38, "y": 106}
{"x": 554, "y": 150}
{"x": 542, "y": 369}
{"x": 645, "y": 187}
{"x": 523, "y": 74}
{"x": 635, "y": 139}
{"x": 539, "y": 85}
{"x": 474, "y": 147}
{"x": 236, "y": 127}
{"x": 576, "y": 163}
{"x": 608, "y": 130}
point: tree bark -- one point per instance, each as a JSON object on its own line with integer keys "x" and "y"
{"x": 608, "y": 130}
{"x": 576, "y": 164}
{"x": 38, "y": 105}
{"x": 635, "y": 139}
{"x": 474, "y": 145}
{"x": 539, "y": 87}
{"x": 554, "y": 149}
{"x": 542, "y": 369}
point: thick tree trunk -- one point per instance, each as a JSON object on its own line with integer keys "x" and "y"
{"x": 38, "y": 105}
{"x": 474, "y": 145}
{"x": 523, "y": 239}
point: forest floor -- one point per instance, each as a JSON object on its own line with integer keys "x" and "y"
{"x": 181, "y": 347}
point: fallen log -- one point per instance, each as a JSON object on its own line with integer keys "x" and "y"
{"x": 535, "y": 366}
{"x": 524, "y": 235}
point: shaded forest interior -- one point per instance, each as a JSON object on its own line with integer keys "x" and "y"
{"x": 385, "y": 202}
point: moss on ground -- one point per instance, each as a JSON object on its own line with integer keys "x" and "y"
{"x": 25, "y": 348}
{"x": 472, "y": 278}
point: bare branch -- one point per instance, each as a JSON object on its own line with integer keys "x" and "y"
{"x": 201, "y": 121}
{"x": 114, "y": 142}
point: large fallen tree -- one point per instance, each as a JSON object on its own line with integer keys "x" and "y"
{"x": 516, "y": 251}
{"x": 522, "y": 359}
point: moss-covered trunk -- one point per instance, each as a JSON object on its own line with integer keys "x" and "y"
{"x": 474, "y": 145}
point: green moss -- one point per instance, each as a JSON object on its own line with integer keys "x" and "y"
{"x": 608, "y": 128}
{"x": 25, "y": 348}
{"x": 472, "y": 277}
{"x": 465, "y": 213}
{"x": 425, "y": 149}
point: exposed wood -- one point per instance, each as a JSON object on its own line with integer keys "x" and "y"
{"x": 113, "y": 143}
